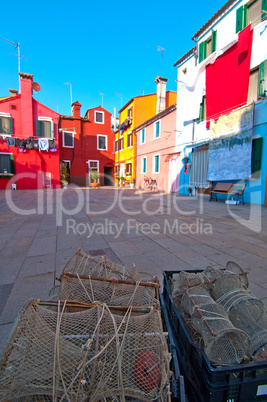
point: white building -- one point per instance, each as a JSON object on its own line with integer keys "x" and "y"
{"x": 222, "y": 75}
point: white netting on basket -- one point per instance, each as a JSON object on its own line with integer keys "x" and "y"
{"x": 249, "y": 314}
{"x": 109, "y": 291}
{"x": 88, "y": 355}
{"x": 223, "y": 343}
{"x": 100, "y": 266}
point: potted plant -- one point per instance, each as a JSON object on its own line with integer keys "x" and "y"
{"x": 94, "y": 178}
{"x": 190, "y": 190}
{"x": 131, "y": 182}
{"x": 117, "y": 178}
{"x": 64, "y": 176}
{"x": 122, "y": 181}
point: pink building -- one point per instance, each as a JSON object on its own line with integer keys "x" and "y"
{"x": 155, "y": 155}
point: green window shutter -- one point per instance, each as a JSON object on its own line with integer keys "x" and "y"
{"x": 10, "y": 125}
{"x": 157, "y": 129}
{"x": 144, "y": 165}
{"x": 256, "y": 157}
{"x": 245, "y": 16}
{"x": 213, "y": 41}
{"x": 0, "y": 125}
{"x": 38, "y": 128}
{"x": 156, "y": 164}
{"x": 262, "y": 88}
{"x": 201, "y": 52}
{"x": 202, "y": 110}
{"x": 239, "y": 19}
{"x": 264, "y": 10}
{"x": 12, "y": 164}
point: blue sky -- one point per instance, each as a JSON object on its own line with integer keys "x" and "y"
{"x": 108, "y": 47}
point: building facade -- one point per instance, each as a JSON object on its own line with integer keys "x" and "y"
{"x": 29, "y": 153}
{"x": 132, "y": 115}
{"x": 86, "y": 144}
{"x": 221, "y": 102}
{"x": 156, "y": 158}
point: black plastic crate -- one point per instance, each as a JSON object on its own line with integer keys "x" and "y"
{"x": 205, "y": 382}
{"x": 177, "y": 381}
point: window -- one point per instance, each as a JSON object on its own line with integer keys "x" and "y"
{"x": 156, "y": 163}
{"x": 128, "y": 168}
{"x": 121, "y": 144}
{"x": 157, "y": 130}
{"x": 130, "y": 140}
{"x": 93, "y": 165}
{"x": 45, "y": 127}
{"x": 202, "y": 110}
{"x": 143, "y": 164}
{"x": 263, "y": 79}
{"x": 7, "y": 163}
{"x": 130, "y": 113}
{"x": 115, "y": 146}
{"x": 102, "y": 142}
{"x": 257, "y": 86}
{"x": 68, "y": 139}
{"x": 256, "y": 157}
{"x": 117, "y": 169}
{"x": 99, "y": 117}
{"x": 253, "y": 12}
{"x": 6, "y": 124}
{"x": 143, "y": 136}
{"x": 207, "y": 47}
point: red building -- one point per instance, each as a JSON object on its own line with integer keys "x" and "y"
{"x": 86, "y": 143}
{"x": 29, "y": 152}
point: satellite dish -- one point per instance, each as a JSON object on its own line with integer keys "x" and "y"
{"x": 36, "y": 87}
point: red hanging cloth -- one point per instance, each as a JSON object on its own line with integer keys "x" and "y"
{"x": 228, "y": 77}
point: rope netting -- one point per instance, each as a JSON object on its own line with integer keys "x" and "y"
{"x": 90, "y": 355}
{"x": 101, "y": 266}
{"x": 222, "y": 316}
{"x": 113, "y": 292}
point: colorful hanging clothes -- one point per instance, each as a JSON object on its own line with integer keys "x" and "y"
{"x": 43, "y": 144}
{"x": 10, "y": 141}
{"x": 227, "y": 79}
{"x": 20, "y": 143}
{"x": 28, "y": 143}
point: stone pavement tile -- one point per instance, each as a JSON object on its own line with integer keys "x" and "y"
{"x": 166, "y": 261}
{"x": 112, "y": 256}
{"x": 131, "y": 233}
{"x": 194, "y": 259}
{"x": 252, "y": 248}
{"x": 114, "y": 237}
{"x": 93, "y": 243}
{"x": 10, "y": 271}
{"x": 248, "y": 259}
{"x": 145, "y": 244}
{"x": 171, "y": 245}
{"x": 5, "y": 330}
{"x": 4, "y": 294}
{"x": 63, "y": 256}
{"x": 124, "y": 248}
{"x": 258, "y": 291}
{"x": 46, "y": 245}
{"x": 38, "y": 265}
{"x": 69, "y": 241}
{"x": 21, "y": 241}
{"x": 141, "y": 261}
{"x": 45, "y": 233}
{"x": 36, "y": 287}
{"x": 13, "y": 255}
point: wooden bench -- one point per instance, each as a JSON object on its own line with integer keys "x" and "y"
{"x": 228, "y": 189}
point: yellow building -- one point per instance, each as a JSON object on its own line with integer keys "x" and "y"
{"x": 135, "y": 112}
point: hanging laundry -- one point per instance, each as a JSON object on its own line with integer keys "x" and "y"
{"x": 52, "y": 144}
{"x": 10, "y": 141}
{"x": 20, "y": 144}
{"x": 43, "y": 144}
{"x": 35, "y": 144}
{"x": 28, "y": 143}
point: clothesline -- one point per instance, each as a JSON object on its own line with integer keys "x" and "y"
{"x": 43, "y": 144}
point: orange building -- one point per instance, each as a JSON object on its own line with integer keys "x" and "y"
{"x": 138, "y": 110}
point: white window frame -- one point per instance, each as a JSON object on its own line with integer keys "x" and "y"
{"x": 93, "y": 160}
{"x": 142, "y": 164}
{"x": 66, "y": 160}
{"x": 2, "y": 114}
{"x": 155, "y": 129}
{"x": 103, "y": 117}
{"x": 154, "y": 156}
{"x": 43, "y": 118}
{"x": 141, "y": 143}
{"x": 131, "y": 134}
{"x": 102, "y": 149}
{"x": 63, "y": 139}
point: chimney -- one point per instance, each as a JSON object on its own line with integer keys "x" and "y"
{"x": 76, "y": 110}
{"x": 13, "y": 92}
{"x": 161, "y": 93}
{"x": 26, "y": 104}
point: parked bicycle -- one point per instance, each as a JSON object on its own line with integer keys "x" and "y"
{"x": 149, "y": 184}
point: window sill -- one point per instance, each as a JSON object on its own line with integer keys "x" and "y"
{"x": 6, "y": 175}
